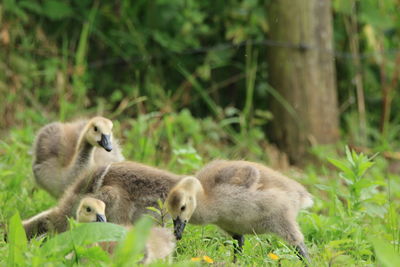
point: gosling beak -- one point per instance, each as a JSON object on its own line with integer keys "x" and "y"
{"x": 105, "y": 142}
{"x": 100, "y": 218}
{"x": 179, "y": 226}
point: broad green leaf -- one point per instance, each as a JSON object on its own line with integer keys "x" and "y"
{"x": 374, "y": 210}
{"x": 350, "y": 155}
{"x": 385, "y": 253}
{"x": 339, "y": 164}
{"x": 83, "y": 234}
{"x": 18, "y": 242}
{"x": 363, "y": 167}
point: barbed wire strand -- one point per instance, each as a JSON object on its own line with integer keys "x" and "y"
{"x": 266, "y": 43}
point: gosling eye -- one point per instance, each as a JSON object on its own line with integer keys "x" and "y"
{"x": 95, "y": 128}
{"x": 183, "y": 208}
{"x": 88, "y": 209}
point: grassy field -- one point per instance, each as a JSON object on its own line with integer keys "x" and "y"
{"x": 354, "y": 221}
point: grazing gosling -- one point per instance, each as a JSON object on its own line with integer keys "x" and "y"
{"x": 63, "y": 150}
{"x": 127, "y": 189}
{"x": 160, "y": 243}
{"x": 241, "y": 198}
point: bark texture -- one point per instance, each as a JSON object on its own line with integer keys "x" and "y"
{"x": 302, "y": 73}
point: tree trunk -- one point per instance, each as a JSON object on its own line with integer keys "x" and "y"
{"x": 302, "y": 73}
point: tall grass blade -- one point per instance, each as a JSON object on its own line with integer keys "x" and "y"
{"x": 18, "y": 242}
{"x": 208, "y": 100}
{"x": 78, "y": 81}
{"x": 200, "y": 90}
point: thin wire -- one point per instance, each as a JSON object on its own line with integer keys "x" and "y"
{"x": 266, "y": 43}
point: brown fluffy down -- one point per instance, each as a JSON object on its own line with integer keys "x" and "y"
{"x": 241, "y": 198}
{"x": 160, "y": 243}
{"x": 62, "y": 151}
{"x": 127, "y": 189}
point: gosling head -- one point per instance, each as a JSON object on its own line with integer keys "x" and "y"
{"x": 99, "y": 133}
{"x": 91, "y": 210}
{"x": 181, "y": 203}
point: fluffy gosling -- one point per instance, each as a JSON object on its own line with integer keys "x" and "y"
{"x": 91, "y": 210}
{"x": 241, "y": 198}
{"x": 160, "y": 243}
{"x": 64, "y": 150}
{"x": 126, "y": 188}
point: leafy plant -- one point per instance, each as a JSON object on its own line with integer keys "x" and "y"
{"x": 161, "y": 213}
{"x": 353, "y": 169}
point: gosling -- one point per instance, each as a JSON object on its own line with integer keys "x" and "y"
{"x": 63, "y": 150}
{"x": 241, "y": 198}
{"x": 91, "y": 210}
{"x": 127, "y": 189}
{"x": 159, "y": 245}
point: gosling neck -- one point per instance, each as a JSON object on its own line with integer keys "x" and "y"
{"x": 84, "y": 151}
{"x": 202, "y": 214}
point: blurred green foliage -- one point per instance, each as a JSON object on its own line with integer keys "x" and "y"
{"x": 378, "y": 34}
{"x": 61, "y": 59}
{"x": 78, "y": 54}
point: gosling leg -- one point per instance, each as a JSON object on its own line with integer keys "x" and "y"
{"x": 289, "y": 230}
{"x": 302, "y": 253}
{"x": 237, "y": 248}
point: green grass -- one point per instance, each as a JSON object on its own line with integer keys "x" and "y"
{"x": 354, "y": 221}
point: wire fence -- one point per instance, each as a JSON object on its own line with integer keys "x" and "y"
{"x": 261, "y": 43}
{"x": 282, "y": 44}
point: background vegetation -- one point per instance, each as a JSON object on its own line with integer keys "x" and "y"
{"x": 187, "y": 81}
